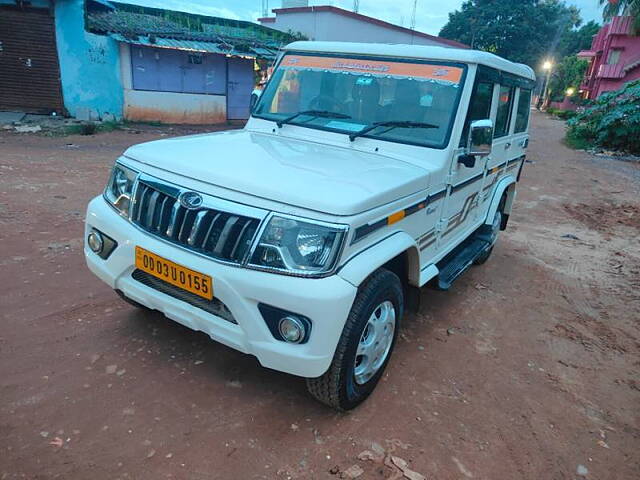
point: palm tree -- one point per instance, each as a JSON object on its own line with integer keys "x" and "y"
{"x": 631, "y": 8}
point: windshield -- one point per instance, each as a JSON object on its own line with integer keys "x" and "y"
{"x": 351, "y": 95}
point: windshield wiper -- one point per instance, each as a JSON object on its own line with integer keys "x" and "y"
{"x": 313, "y": 113}
{"x": 391, "y": 124}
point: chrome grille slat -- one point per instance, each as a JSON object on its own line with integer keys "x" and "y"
{"x": 231, "y": 221}
{"x": 196, "y": 227}
{"x": 151, "y": 209}
{"x": 205, "y": 239}
{"x": 217, "y": 234}
{"x": 165, "y": 200}
{"x": 172, "y": 220}
{"x": 212, "y": 238}
{"x": 239, "y": 238}
{"x": 184, "y": 225}
{"x": 141, "y": 194}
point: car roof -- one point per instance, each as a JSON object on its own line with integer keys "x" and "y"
{"x": 422, "y": 52}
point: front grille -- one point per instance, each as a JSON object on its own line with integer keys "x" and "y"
{"x": 214, "y": 306}
{"x": 221, "y": 235}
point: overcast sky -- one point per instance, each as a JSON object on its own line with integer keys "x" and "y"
{"x": 431, "y": 14}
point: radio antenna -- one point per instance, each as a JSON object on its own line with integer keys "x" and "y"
{"x": 413, "y": 15}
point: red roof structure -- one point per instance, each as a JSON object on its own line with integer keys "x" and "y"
{"x": 361, "y": 18}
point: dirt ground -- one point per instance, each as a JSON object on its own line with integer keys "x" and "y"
{"x": 528, "y": 368}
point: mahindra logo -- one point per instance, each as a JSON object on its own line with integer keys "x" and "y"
{"x": 190, "y": 200}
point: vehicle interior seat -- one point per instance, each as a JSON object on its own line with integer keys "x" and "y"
{"x": 365, "y": 100}
{"x": 406, "y": 103}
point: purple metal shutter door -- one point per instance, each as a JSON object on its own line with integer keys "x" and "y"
{"x": 239, "y": 88}
{"x": 144, "y": 69}
{"x": 215, "y": 74}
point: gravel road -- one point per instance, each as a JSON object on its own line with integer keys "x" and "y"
{"x": 528, "y": 368}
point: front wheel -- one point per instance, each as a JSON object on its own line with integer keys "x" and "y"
{"x": 365, "y": 345}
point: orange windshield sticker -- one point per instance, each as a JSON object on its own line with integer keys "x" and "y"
{"x": 417, "y": 70}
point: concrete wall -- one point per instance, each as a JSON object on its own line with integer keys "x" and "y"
{"x": 89, "y": 65}
{"x": 330, "y": 26}
{"x": 167, "y": 107}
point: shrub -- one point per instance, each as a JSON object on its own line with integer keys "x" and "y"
{"x": 565, "y": 114}
{"x": 612, "y": 122}
{"x": 562, "y": 114}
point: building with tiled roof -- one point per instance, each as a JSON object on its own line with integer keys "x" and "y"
{"x": 101, "y": 59}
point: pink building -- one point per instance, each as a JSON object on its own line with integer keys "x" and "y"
{"x": 614, "y": 58}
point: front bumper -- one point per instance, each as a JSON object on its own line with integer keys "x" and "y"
{"x": 325, "y": 301}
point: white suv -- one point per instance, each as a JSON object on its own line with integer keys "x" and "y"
{"x": 364, "y": 172}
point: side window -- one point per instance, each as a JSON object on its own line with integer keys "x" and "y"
{"x": 479, "y": 108}
{"x": 614, "y": 56}
{"x": 522, "y": 114}
{"x": 503, "y": 116}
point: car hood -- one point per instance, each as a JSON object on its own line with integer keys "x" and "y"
{"x": 324, "y": 178}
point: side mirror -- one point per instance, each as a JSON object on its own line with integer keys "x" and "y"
{"x": 480, "y": 138}
{"x": 255, "y": 96}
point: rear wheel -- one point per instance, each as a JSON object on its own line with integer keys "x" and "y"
{"x": 491, "y": 235}
{"x": 365, "y": 346}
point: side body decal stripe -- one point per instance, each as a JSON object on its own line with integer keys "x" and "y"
{"x": 365, "y": 230}
{"x": 459, "y": 218}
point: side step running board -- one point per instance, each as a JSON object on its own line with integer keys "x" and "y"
{"x": 458, "y": 261}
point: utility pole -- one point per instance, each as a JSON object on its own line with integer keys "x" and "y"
{"x": 544, "y": 94}
{"x": 356, "y": 5}
{"x": 413, "y": 15}
{"x": 265, "y": 8}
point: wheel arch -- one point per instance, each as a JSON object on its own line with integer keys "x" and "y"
{"x": 506, "y": 185}
{"x": 397, "y": 253}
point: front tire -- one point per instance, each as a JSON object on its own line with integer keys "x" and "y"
{"x": 366, "y": 344}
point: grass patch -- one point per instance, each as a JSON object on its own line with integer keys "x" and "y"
{"x": 561, "y": 114}
{"x": 109, "y": 126}
{"x": 577, "y": 143}
{"x": 87, "y": 128}
{"x": 150, "y": 123}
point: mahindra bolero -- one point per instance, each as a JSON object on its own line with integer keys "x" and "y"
{"x": 365, "y": 172}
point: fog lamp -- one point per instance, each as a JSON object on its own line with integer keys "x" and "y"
{"x": 291, "y": 329}
{"x": 95, "y": 241}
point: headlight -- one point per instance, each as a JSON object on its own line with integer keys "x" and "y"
{"x": 301, "y": 248}
{"x": 120, "y": 187}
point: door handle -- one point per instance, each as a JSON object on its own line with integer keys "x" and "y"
{"x": 507, "y": 145}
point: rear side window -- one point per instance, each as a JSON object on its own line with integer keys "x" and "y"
{"x": 503, "y": 116}
{"x": 522, "y": 114}
{"x": 479, "y": 108}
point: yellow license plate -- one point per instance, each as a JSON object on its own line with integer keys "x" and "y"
{"x": 177, "y": 275}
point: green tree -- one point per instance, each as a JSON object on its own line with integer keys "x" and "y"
{"x": 613, "y": 8}
{"x": 567, "y": 74}
{"x": 576, "y": 39}
{"x": 524, "y": 31}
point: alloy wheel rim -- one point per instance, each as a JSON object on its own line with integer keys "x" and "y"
{"x": 375, "y": 342}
